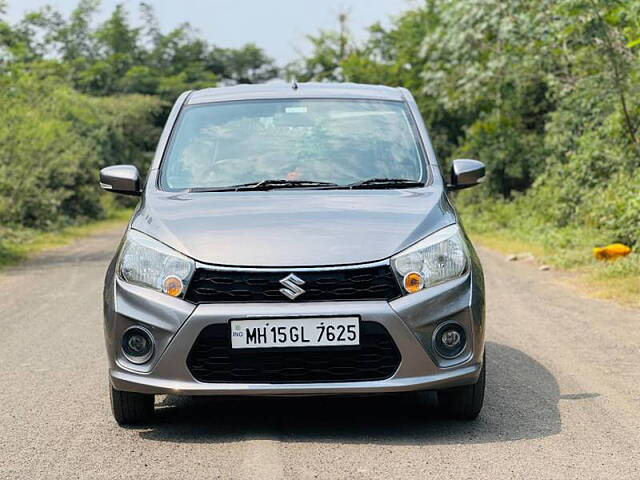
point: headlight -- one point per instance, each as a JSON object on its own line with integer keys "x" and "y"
{"x": 149, "y": 263}
{"x": 440, "y": 257}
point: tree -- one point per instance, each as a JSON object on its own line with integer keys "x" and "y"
{"x": 545, "y": 93}
{"x": 74, "y": 38}
{"x": 329, "y": 50}
{"x": 248, "y": 64}
{"x": 119, "y": 57}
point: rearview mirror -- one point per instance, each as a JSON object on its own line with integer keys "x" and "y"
{"x": 466, "y": 173}
{"x": 123, "y": 179}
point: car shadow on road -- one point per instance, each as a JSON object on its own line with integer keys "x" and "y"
{"x": 521, "y": 402}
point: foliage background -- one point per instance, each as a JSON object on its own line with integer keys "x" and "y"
{"x": 77, "y": 96}
{"x": 546, "y": 93}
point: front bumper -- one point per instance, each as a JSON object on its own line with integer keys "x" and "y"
{"x": 409, "y": 320}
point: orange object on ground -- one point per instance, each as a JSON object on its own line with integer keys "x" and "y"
{"x": 611, "y": 252}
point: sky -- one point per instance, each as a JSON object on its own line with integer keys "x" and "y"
{"x": 278, "y": 26}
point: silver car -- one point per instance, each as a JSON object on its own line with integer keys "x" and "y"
{"x": 294, "y": 239}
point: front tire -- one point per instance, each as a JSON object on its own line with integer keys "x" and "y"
{"x": 130, "y": 408}
{"x": 464, "y": 403}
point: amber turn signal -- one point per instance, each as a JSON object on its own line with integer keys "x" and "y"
{"x": 172, "y": 285}
{"x": 413, "y": 282}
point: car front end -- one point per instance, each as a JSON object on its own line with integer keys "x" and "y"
{"x": 321, "y": 289}
{"x": 400, "y": 342}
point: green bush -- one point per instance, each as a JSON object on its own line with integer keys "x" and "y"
{"x": 54, "y": 141}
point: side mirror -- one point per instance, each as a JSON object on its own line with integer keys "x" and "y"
{"x": 466, "y": 173}
{"x": 123, "y": 179}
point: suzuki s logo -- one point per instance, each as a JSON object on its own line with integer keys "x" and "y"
{"x": 292, "y": 289}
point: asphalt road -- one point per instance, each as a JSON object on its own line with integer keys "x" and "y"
{"x": 563, "y": 396}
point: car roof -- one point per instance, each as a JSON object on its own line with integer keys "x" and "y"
{"x": 292, "y": 91}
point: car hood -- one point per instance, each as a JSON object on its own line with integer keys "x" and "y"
{"x": 291, "y": 228}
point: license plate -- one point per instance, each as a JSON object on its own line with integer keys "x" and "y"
{"x": 295, "y": 332}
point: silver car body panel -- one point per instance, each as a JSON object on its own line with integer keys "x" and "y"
{"x": 286, "y": 228}
{"x": 306, "y": 90}
{"x": 409, "y": 320}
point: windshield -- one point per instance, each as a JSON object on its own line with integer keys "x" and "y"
{"x": 332, "y": 142}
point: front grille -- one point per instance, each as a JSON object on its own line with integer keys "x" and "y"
{"x": 212, "y": 359}
{"x": 369, "y": 283}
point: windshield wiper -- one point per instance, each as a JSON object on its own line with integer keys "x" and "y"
{"x": 384, "y": 183}
{"x": 281, "y": 183}
{"x": 264, "y": 185}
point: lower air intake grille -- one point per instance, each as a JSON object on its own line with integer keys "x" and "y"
{"x": 213, "y": 360}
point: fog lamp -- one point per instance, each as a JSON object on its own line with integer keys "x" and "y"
{"x": 449, "y": 340}
{"x": 137, "y": 345}
{"x": 413, "y": 282}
